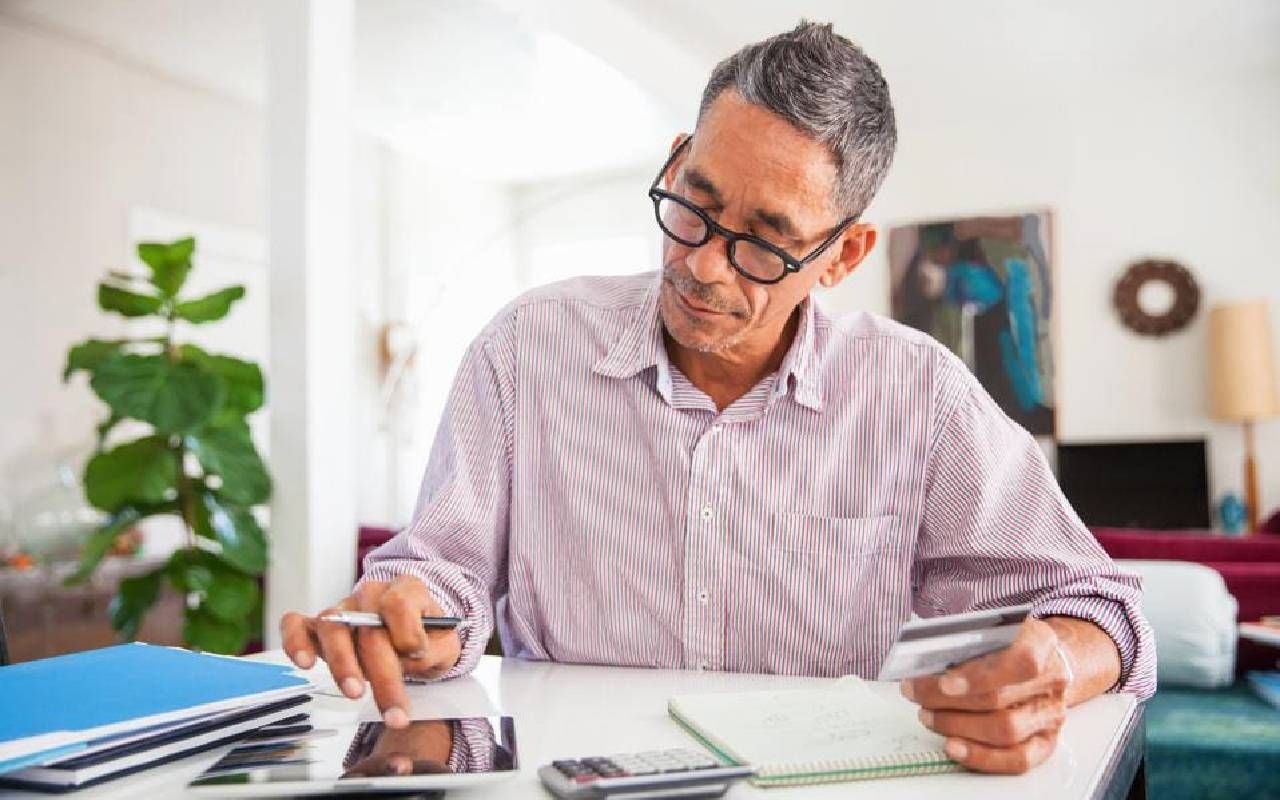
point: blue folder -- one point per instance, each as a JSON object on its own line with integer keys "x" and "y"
{"x": 82, "y": 691}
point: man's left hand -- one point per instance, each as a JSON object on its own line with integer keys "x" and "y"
{"x": 1000, "y": 712}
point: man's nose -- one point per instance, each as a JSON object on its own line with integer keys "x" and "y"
{"x": 710, "y": 262}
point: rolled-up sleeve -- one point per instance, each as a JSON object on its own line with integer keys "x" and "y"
{"x": 997, "y": 531}
{"x": 457, "y": 542}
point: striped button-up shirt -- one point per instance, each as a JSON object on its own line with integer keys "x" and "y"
{"x": 590, "y": 501}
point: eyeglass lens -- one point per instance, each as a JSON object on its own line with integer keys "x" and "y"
{"x": 684, "y": 226}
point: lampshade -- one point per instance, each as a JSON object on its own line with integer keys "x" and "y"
{"x": 1242, "y": 374}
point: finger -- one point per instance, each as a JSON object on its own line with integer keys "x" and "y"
{"x": 298, "y": 639}
{"x": 402, "y": 606}
{"x": 382, "y": 666}
{"x": 338, "y": 650}
{"x": 443, "y": 651}
{"x": 928, "y": 692}
{"x": 399, "y": 764}
{"x": 1024, "y": 669}
{"x": 1001, "y": 728}
{"x": 1023, "y": 660}
{"x": 1003, "y": 760}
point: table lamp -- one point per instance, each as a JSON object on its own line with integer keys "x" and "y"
{"x": 1242, "y": 379}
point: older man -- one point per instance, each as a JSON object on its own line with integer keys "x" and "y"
{"x": 700, "y": 469}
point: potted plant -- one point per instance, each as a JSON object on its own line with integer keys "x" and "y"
{"x": 197, "y": 461}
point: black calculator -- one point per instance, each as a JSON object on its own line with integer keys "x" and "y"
{"x": 675, "y": 773}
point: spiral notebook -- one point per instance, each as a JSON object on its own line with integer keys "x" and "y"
{"x": 845, "y": 732}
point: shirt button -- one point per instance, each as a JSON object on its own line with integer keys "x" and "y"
{"x": 706, "y": 513}
{"x": 702, "y": 666}
{"x": 703, "y": 596}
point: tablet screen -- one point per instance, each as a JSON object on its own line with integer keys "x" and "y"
{"x": 310, "y": 749}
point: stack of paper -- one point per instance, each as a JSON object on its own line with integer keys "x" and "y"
{"x": 86, "y": 717}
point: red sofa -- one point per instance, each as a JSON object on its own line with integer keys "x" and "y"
{"x": 1250, "y": 566}
{"x": 371, "y": 537}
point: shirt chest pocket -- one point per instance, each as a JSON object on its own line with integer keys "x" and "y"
{"x": 839, "y": 537}
{"x": 840, "y": 586}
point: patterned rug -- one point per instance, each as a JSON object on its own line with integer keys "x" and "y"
{"x": 1210, "y": 744}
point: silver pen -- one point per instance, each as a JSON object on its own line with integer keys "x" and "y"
{"x": 368, "y": 619}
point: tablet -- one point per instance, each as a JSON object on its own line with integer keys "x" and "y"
{"x": 335, "y": 754}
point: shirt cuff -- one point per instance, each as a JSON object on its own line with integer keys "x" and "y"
{"x": 1121, "y": 621}
{"x": 472, "y": 747}
{"x": 474, "y": 637}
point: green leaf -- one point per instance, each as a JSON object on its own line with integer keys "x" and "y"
{"x": 190, "y": 569}
{"x": 232, "y": 596}
{"x": 225, "y": 592}
{"x": 243, "y": 543}
{"x": 131, "y": 602}
{"x": 169, "y": 262}
{"x": 173, "y": 396}
{"x": 211, "y": 307}
{"x": 123, "y": 301}
{"x": 255, "y": 618}
{"x": 143, "y": 471}
{"x": 204, "y": 631}
{"x": 99, "y": 542}
{"x": 229, "y": 453}
{"x": 89, "y": 354}
{"x": 245, "y": 389}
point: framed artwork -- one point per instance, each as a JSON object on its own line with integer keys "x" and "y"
{"x": 983, "y": 286}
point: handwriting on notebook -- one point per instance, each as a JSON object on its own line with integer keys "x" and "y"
{"x": 842, "y": 731}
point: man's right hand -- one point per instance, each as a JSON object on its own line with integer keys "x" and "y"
{"x": 383, "y": 656}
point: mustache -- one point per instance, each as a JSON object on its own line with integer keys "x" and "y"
{"x": 700, "y": 293}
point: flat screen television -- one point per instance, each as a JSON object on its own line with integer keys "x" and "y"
{"x": 1158, "y": 484}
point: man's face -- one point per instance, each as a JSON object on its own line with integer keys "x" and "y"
{"x": 753, "y": 173}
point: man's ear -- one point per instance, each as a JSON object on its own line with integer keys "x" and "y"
{"x": 670, "y": 177}
{"x": 854, "y": 246}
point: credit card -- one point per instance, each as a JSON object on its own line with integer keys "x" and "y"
{"x": 930, "y": 646}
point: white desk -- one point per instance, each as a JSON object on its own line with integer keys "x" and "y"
{"x": 563, "y": 710}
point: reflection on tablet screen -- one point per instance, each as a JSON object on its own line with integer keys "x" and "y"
{"x": 319, "y": 752}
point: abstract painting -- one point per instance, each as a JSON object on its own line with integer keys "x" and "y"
{"x": 983, "y": 286}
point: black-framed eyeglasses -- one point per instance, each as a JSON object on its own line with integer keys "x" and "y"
{"x": 752, "y": 257}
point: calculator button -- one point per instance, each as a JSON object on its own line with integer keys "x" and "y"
{"x": 573, "y": 769}
{"x": 603, "y": 767}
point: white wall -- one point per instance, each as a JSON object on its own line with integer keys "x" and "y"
{"x": 1168, "y": 162}
{"x": 598, "y": 224}
{"x": 85, "y": 139}
{"x": 449, "y": 267}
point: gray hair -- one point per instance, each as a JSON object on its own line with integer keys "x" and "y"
{"x": 823, "y": 84}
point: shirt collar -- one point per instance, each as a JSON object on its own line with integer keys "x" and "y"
{"x": 800, "y": 372}
{"x": 640, "y": 346}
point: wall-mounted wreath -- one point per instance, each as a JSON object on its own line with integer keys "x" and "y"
{"x": 1139, "y": 317}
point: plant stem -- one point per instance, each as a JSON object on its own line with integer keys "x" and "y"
{"x": 186, "y": 498}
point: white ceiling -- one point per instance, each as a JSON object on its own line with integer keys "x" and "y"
{"x": 1217, "y": 37}
{"x": 526, "y": 89}
{"x": 459, "y": 82}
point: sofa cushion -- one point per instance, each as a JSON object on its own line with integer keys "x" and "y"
{"x": 1194, "y": 620}
{"x": 1201, "y": 546}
